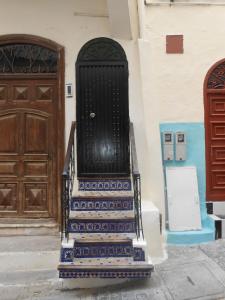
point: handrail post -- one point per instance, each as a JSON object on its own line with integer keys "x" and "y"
{"x": 67, "y": 179}
{"x": 136, "y": 184}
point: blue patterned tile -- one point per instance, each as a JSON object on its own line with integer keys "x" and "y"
{"x": 101, "y": 204}
{"x": 66, "y": 254}
{"x": 101, "y": 226}
{"x": 139, "y": 254}
{"x": 101, "y": 249}
{"x": 104, "y": 185}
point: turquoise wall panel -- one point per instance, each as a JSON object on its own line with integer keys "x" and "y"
{"x": 195, "y": 156}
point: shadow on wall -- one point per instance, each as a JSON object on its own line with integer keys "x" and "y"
{"x": 195, "y": 156}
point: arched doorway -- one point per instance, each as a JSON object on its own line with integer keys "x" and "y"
{"x": 214, "y": 104}
{"x": 102, "y": 110}
{"x": 31, "y": 126}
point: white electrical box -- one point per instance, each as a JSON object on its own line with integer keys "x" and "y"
{"x": 168, "y": 142}
{"x": 183, "y": 198}
{"x": 180, "y": 146}
{"x": 69, "y": 90}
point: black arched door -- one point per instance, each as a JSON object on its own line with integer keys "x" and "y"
{"x": 102, "y": 110}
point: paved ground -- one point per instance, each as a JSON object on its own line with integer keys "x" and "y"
{"x": 196, "y": 272}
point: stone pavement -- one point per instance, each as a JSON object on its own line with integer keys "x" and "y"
{"x": 194, "y": 272}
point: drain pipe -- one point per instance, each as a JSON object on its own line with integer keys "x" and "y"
{"x": 141, "y": 17}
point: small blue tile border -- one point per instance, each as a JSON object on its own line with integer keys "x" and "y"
{"x": 99, "y": 250}
{"x": 101, "y": 204}
{"x": 105, "y": 185}
{"x": 101, "y": 226}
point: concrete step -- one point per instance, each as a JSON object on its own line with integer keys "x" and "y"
{"x": 21, "y": 226}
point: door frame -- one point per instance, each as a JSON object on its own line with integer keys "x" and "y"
{"x": 60, "y": 144}
{"x": 209, "y": 88}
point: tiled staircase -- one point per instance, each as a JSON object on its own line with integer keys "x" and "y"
{"x": 102, "y": 233}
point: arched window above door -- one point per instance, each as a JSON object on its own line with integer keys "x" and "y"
{"x": 216, "y": 76}
{"x": 27, "y": 58}
{"x": 101, "y": 49}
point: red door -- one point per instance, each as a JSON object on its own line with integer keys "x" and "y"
{"x": 215, "y": 132}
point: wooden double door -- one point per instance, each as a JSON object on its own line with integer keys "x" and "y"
{"x": 28, "y": 123}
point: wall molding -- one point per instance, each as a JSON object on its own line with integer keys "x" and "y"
{"x": 184, "y": 3}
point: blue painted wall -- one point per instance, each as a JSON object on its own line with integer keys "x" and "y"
{"x": 195, "y": 156}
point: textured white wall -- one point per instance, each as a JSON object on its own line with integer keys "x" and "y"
{"x": 71, "y": 23}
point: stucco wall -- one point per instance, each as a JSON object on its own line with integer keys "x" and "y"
{"x": 176, "y": 80}
{"x": 172, "y": 84}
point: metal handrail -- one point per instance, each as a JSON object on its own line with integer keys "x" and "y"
{"x": 68, "y": 175}
{"x": 136, "y": 185}
{"x": 67, "y": 178}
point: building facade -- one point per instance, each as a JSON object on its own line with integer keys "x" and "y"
{"x": 170, "y": 47}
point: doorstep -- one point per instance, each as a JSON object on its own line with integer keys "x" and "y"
{"x": 33, "y": 227}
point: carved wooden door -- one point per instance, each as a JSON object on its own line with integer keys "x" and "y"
{"x": 102, "y": 110}
{"x": 28, "y": 122}
{"x": 215, "y": 132}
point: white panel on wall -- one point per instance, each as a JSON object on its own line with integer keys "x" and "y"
{"x": 183, "y": 199}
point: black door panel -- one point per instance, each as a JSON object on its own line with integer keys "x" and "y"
{"x": 102, "y": 118}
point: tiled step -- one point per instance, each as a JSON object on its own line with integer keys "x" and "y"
{"x": 112, "y": 271}
{"x": 103, "y": 252}
{"x": 101, "y": 207}
{"x": 74, "y": 250}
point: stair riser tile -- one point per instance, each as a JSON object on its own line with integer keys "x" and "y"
{"x": 105, "y": 185}
{"x": 97, "y": 254}
{"x": 105, "y": 274}
{"x": 100, "y": 250}
{"x": 101, "y": 226}
{"x": 104, "y": 204}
